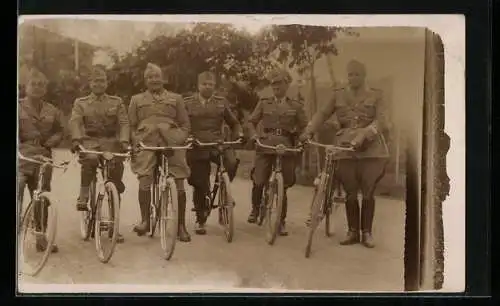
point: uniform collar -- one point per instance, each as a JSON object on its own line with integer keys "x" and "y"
{"x": 203, "y": 100}
{"x": 158, "y": 96}
{"x": 98, "y": 98}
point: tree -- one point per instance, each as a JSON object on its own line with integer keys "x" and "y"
{"x": 221, "y": 48}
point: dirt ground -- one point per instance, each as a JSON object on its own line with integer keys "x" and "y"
{"x": 210, "y": 262}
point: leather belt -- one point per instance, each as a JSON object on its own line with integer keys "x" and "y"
{"x": 278, "y": 132}
{"x": 100, "y": 134}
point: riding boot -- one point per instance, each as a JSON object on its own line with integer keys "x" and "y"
{"x": 144, "y": 205}
{"x": 282, "y": 229}
{"x": 199, "y": 202}
{"x": 256, "y": 201}
{"x": 367, "y": 213}
{"x": 83, "y": 197}
{"x": 352, "y": 215}
{"x": 233, "y": 170}
{"x": 120, "y": 238}
{"x": 41, "y": 212}
{"x": 182, "y": 233}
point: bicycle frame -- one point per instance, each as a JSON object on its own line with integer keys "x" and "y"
{"x": 44, "y": 164}
{"x": 220, "y": 146}
{"x": 103, "y": 167}
{"x": 279, "y": 151}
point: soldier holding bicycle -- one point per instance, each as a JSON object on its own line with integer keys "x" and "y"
{"x": 282, "y": 119}
{"x": 158, "y": 118}
{"x": 99, "y": 122}
{"x": 40, "y": 130}
{"x": 361, "y": 114}
{"x": 207, "y": 113}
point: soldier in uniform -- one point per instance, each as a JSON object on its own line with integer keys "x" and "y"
{"x": 282, "y": 119}
{"x": 360, "y": 112}
{"x": 159, "y": 118}
{"x": 207, "y": 113}
{"x": 99, "y": 122}
{"x": 40, "y": 130}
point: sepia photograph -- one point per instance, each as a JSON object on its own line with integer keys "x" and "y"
{"x": 160, "y": 154}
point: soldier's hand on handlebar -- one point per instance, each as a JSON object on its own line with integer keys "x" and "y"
{"x": 75, "y": 146}
{"x": 305, "y": 137}
{"x": 125, "y": 146}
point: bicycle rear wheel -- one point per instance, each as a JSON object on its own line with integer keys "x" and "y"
{"x": 226, "y": 207}
{"x": 274, "y": 203}
{"x": 316, "y": 211}
{"x": 169, "y": 210}
{"x": 39, "y": 219}
{"x": 107, "y": 221}
{"x": 87, "y": 220}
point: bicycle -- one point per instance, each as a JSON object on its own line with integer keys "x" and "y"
{"x": 164, "y": 205}
{"x": 39, "y": 218}
{"x": 222, "y": 182}
{"x": 94, "y": 221}
{"x": 274, "y": 189}
{"x": 323, "y": 205}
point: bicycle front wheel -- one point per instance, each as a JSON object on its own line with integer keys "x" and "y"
{"x": 169, "y": 210}
{"x": 39, "y": 223}
{"x": 316, "y": 211}
{"x": 274, "y": 208}
{"x": 226, "y": 207}
{"x": 107, "y": 221}
{"x": 87, "y": 220}
{"x": 154, "y": 208}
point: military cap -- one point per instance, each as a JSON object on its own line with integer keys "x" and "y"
{"x": 36, "y": 74}
{"x": 98, "y": 71}
{"x": 278, "y": 75}
{"x": 356, "y": 66}
{"x": 206, "y": 76}
{"x": 152, "y": 68}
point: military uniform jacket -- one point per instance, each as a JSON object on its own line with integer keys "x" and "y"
{"x": 287, "y": 115}
{"x": 39, "y": 130}
{"x": 96, "y": 118}
{"x": 207, "y": 119}
{"x": 361, "y": 113}
{"x": 156, "y": 118}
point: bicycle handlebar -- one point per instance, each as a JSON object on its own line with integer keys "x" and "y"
{"x": 142, "y": 146}
{"x": 212, "y": 144}
{"x": 85, "y": 151}
{"x": 331, "y": 147}
{"x": 44, "y": 161}
{"x": 279, "y": 147}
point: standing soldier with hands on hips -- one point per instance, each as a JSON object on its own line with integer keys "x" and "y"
{"x": 282, "y": 119}
{"x": 99, "y": 122}
{"x": 361, "y": 114}
{"x": 207, "y": 113}
{"x": 40, "y": 130}
{"x": 159, "y": 118}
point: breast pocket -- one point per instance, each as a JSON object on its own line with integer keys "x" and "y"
{"x": 289, "y": 117}
{"x": 47, "y": 122}
{"x": 144, "y": 111}
{"x": 369, "y": 107}
{"x": 166, "y": 108}
{"x": 111, "y": 115}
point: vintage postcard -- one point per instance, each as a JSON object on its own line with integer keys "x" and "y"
{"x": 241, "y": 153}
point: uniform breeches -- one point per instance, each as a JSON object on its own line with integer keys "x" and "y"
{"x": 361, "y": 174}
